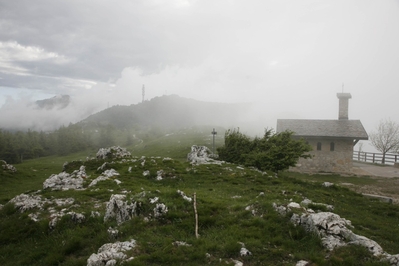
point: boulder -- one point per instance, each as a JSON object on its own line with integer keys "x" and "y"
{"x": 24, "y": 202}
{"x": 110, "y": 253}
{"x": 201, "y": 155}
{"x": 65, "y": 181}
{"x": 8, "y": 167}
{"x": 334, "y": 232}
{"x": 114, "y": 152}
{"x": 119, "y": 209}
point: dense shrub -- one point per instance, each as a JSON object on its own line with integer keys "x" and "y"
{"x": 274, "y": 151}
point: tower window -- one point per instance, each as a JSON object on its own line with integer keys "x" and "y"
{"x": 332, "y": 146}
{"x": 319, "y": 146}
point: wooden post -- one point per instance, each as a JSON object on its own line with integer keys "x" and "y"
{"x": 196, "y": 215}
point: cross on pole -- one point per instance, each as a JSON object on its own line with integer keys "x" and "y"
{"x": 213, "y": 147}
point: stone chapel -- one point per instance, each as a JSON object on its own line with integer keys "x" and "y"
{"x": 332, "y": 140}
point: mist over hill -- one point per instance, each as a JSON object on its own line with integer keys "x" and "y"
{"x": 56, "y": 102}
{"x": 173, "y": 112}
{"x": 167, "y": 112}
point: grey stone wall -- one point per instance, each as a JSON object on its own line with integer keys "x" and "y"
{"x": 337, "y": 161}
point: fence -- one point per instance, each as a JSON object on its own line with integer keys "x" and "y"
{"x": 372, "y": 157}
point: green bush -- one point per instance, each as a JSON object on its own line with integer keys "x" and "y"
{"x": 274, "y": 151}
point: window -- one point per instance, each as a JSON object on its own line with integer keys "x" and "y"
{"x": 332, "y": 146}
{"x": 319, "y": 146}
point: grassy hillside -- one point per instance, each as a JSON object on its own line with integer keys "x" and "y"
{"x": 234, "y": 206}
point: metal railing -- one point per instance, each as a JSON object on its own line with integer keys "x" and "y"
{"x": 372, "y": 157}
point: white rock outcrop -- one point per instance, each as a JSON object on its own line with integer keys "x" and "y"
{"x": 107, "y": 174}
{"x": 334, "y": 232}
{"x": 110, "y": 253}
{"x": 118, "y": 208}
{"x": 65, "y": 181}
{"x": 24, "y": 202}
{"x": 200, "y": 155}
{"x": 8, "y": 167}
{"x": 114, "y": 152}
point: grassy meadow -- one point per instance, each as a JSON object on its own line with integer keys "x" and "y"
{"x": 234, "y": 206}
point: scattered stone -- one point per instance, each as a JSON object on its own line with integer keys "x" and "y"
{"x": 112, "y": 233}
{"x": 65, "y": 181}
{"x": 236, "y": 197}
{"x": 63, "y": 202}
{"x": 294, "y": 205}
{"x": 114, "y": 152}
{"x": 181, "y": 193}
{"x": 24, "y": 202}
{"x": 8, "y": 167}
{"x": 261, "y": 194}
{"x": 154, "y": 200}
{"x": 302, "y": 263}
{"x": 146, "y": 173}
{"x": 280, "y": 209}
{"x": 160, "y": 174}
{"x": 237, "y": 262}
{"x": 77, "y": 217}
{"x": 181, "y": 243}
{"x": 160, "y": 210}
{"x": 327, "y": 184}
{"x": 110, "y": 253}
{"x": 34, "y": 216}
{"x": 107, "y": 174}
{"x": 130, "y": 169}
{"x": 95, "y": 214}
{"x": 245, "y": 252}
{"x": 102, "y": 166}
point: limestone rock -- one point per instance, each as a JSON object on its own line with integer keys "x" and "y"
{"x": 107, "y": 174}
{"x": 8, "y": 167}
{"x": 160, "y": 210}
{"x": 181, "y": 193}
{"x": 114, "y": 152}
{"x": 65, "y": 181}
{"x": 110, "y": 253}
{"x": 119, "y": 209}
{"x": 201, "y": 155}
{"x": 24, "y": 202}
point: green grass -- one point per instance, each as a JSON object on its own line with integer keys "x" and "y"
{"x": 223, "y": 193}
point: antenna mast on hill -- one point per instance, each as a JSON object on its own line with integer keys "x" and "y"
{"x": 143, "y": 93}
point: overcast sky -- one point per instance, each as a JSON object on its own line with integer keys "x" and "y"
{"x": 290, "y": 57}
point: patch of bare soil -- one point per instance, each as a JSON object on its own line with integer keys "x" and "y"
{"x": 388, "y": 187}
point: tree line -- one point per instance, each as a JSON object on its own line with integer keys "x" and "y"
{"x": 18, "y": 146}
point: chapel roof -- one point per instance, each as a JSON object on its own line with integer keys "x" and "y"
{"x": 352, "y": 129}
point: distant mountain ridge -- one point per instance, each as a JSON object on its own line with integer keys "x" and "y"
{"x": 170, "y": 111}
{"x": 58, "y": 102}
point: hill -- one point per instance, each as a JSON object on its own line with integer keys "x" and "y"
{"x": 142, "y": 207}
{"x": 171, "y": 112}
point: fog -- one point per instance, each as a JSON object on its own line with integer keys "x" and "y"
{"x": 287, "y": 58}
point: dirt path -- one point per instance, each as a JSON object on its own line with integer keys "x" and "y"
{"x": 387, "y": 178}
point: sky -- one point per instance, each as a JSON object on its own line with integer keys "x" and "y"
{"x": 287, "y": 57}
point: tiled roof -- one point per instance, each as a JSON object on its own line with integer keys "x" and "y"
{"x": 323, "y": 128}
